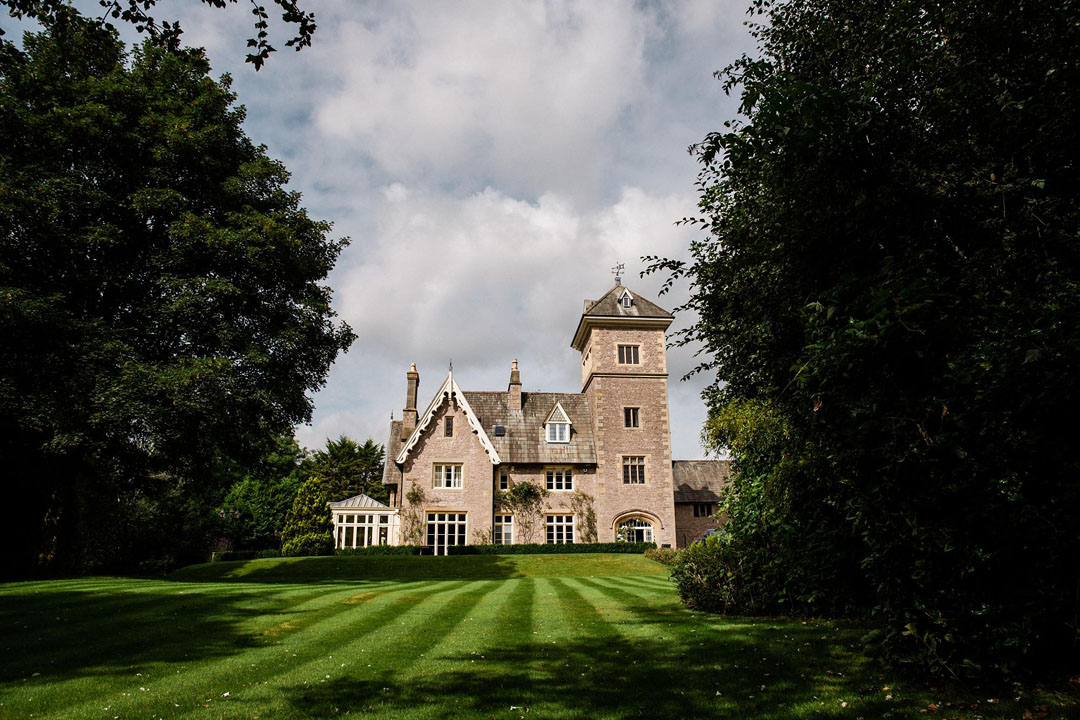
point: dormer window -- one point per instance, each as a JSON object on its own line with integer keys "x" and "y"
{"x": 627, "y": 299}
{"x": 557, "y": 426}
{"x": 558, "y": 432}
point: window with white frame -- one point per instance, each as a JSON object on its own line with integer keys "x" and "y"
{"x": 633, "y": 470}
{"x": 448, "y": 476}
{"x": 628, "y": 355}
{"x": 626, "y": 301}
{"x": 631, "y": 417}
{"x": 558, "y": 432}
{"x": 363, "y": 530}
{"x": 560, "y": 529}
{"x": 504, "y": 479}
{"x": 635, "y": 530}
{"x": 445, "y": 529}
{"x": 504, "y": 530}
{"x": 560, "y": 479}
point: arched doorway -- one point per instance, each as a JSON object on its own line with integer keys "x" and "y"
{"x": 635, "y": 529}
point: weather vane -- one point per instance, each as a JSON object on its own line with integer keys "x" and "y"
{"x": 617, "y": 272}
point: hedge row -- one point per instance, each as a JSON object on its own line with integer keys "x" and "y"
{"x": 380, "y": 550}
{"x": 551, "y": 549}
{"x": 226, "y": 555}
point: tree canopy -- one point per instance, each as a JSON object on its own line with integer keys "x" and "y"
{"x": 166, "y": 33}
{"x": 886, "y": 292}
{"x": 161, "y": 291}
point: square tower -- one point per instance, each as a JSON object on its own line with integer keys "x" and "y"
{"x": 624, "y": 376}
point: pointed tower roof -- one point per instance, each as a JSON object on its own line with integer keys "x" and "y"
{"x": 449, "y": 392}
{"x": 612, "y": 309}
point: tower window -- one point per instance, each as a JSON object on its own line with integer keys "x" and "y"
{"x": 628, "y": 355}
{"x": 633, "y": 470}
{"x": 631, "y": 417}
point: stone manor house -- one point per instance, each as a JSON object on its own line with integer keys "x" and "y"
{"x": 603, "y": 454}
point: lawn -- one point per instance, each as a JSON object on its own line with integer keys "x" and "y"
{"x": 574, "y": 636}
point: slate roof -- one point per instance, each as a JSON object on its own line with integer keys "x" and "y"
{"x": 524, "y": 441}
{"x": 608, "y": 306}
{"x": 700, "y": 480}
{"x": 391, "y": 474}
{"x": 358, "y": 501}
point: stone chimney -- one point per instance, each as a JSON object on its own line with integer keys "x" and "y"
{"x": 408, "y": 418}
{"x": 514, "y": 391}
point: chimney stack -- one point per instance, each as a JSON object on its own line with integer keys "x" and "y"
{"x": 514, "y": 390}
{"x": 408, "y": 417}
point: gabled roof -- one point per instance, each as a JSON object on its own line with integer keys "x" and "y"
{"x": 358, "y": 501}
{"x": 558, "y": 415}
{"x": 391, "y": 475}
{"x": 608, "y": 311}
{"x": 700, "y": 480}
{"x": 524, "y": 440}
{"x": 449, "y": 392}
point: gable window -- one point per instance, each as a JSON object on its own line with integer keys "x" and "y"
{"x": 633, "y": 470}
{"x": 558, "y": 432}
{"x": 560, "y": 479}
{"x": 560, "y": 529}
{"x": 631, "y": 417}
{"x": 628, "y": 355}
{"x": 504, "y": 479}
{"x": 448, "y": 426}
{"x": 626, "y": 301}
{"x": 703, "y": 509}
{"x": 504, "y": 530}
{"x": 448, "y": 476}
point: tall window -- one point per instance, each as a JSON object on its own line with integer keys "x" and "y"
{"x": 703, "y": 509}
{"x": 558, "y": 432}
{"x": 445, "y": 529}
{"x": 448, "y": 476}
{"x": 504, "y": 530}
{"x": 633, "y": 470}
{"x": 448, "y": 426}
{"x": 628, "y": 355}
{"x": 560, "y": 479}
{"x": 504, "y": 479}
{"x": 631, "y": 417}
{"x": 560, "y": 529}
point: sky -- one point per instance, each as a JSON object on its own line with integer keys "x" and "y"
{"x": 490, "y": 162}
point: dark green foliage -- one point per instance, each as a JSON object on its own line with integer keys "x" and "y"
{"x": 160, "y": 299}
{"x": 309, "y": 524}
{"x": 888, "y": 295}
{"x": 623, "y": 548}
{"x": 350, "y": 468}
{"x": 167, "y": 34}
{"x": 254, "y": 510}
{"x": 380, "y": 550}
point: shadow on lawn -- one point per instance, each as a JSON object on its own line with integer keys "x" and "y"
{"x": 63, "y": 633}
{"x": 372, "y": 568}
{"x": 669, "y": 664}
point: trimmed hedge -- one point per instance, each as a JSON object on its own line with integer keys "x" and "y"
{"x": 380, "y": 550}
{"x": 664, "y": 556}
{"x": 226, "y": 555}
{"x": 551, "y": 549}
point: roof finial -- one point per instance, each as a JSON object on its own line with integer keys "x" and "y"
{"x": 617, "y": 272}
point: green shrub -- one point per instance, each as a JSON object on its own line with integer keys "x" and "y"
{"x": 551, "y": 549}
{"x": 701, "y": 574}
{"x": 664, "y": 556}
{"x": 380, "y": 550}
{"x": 308, "y": 544}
